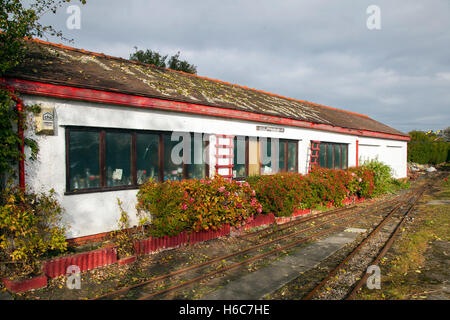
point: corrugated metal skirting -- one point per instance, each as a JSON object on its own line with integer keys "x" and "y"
{"x": 85, "y": 261}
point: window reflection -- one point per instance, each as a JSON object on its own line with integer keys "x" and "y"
{"x": 84, "y": 168}
{"x": 239, "y": 157}
{"x": 118, "y": 159}
{"x": 333, "y": 155}
{"x": 196, "y": 166}
{"x": 147, "y": 157}
{"x": 292, "y": 156}
{"x": 172, "y": 169}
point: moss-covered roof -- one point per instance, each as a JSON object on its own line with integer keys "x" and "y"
{"x": 57, "y": 64}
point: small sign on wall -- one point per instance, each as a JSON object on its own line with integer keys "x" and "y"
{"x": 45, "y": 121}
{"x": 268, "y": 128}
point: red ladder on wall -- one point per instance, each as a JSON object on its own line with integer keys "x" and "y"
{"x": 229, "y": 147}
{"x": 314, "y": 158}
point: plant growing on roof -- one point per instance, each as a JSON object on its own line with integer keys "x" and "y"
{"x": 157, "y": 59}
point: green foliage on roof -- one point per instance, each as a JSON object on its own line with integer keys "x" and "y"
{"x": 159, "y": 60}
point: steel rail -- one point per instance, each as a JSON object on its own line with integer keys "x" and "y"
{"x": 387, "y": 245}
{"x": 276, "y": 250}
{"x": 203, "y": 264}
{"x": 240, "y": 252}
{"x": 318, "y": 234}
{"x": 237, "y": 264}
{"x": 358, "y": 248}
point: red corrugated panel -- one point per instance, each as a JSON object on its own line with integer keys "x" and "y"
{"x": 108, "y": 255}
{"x": 95, "y": 258}
{"x": 85, "y": 261}
{"x": 144, "y": 246}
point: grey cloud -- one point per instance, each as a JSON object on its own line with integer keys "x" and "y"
{"x": 319, "y": 51}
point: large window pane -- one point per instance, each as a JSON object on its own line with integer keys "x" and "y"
{"x": 147, "y": 157}
{"x": 322, "y": 155}
{"x": 196, "y": 166}
{"x": 344, "y": 156}
{"x": 282, "y": 156}
{"x": 266, "y": 156}
{"x": 173, "y": 165}
{"x": 239, "y": 157}
{"x": 337, "y": 156}
{"x": 292, "y": 157}
{"x": 84, "y": 168}
{"x": 118, "y": 159}
{"x": 329, "y": 156}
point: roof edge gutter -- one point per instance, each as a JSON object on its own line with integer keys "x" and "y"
{"x": 92, "y": 95}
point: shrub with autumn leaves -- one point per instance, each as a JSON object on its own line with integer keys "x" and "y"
{"x": 195, "y": 205}
{"x": 208, "y": 204}
{"x": 283, "y": 193}
{"x": 31, "y": 227}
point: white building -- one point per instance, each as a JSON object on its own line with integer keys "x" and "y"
{"x": 109, "y": 125}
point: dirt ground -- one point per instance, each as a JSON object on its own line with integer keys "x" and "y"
{"x": 418, "y": 265}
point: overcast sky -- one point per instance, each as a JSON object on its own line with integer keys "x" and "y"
{"x": 320, "y": 51}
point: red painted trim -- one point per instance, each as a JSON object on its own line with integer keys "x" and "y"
{"x": 127, "y": 260}
{"x": 357, "y": 153}
{"x": 21, "y": 146}
{"x": 20, "y": 286}
{"x": 19, "y": 106}
{"x": 65, "y": 92}
{"x": 88, "y": 239}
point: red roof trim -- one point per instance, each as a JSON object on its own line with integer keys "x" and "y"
{"x": 65, "y": 92}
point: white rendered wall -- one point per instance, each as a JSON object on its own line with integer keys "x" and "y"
{"x": 93, "y": 213}
{"x": 391, "y": 152}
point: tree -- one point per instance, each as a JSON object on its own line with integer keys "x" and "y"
{"x": 149, "y": 57}
{"x": 427, "y": 147}
{"x": 159, "y": 60}
{"x": 176, "y": 64}
{"x": 17, "y": 23}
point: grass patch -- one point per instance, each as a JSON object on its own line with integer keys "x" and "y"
{"x": 400, "y": 272}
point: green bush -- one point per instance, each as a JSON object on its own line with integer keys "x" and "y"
{"x": 195, "y": 205}
{"x": 30, "y": 228}
{"x": 427, "y": 148}
{"x": 383, "y": 179}
{"x": 382, "y": 175}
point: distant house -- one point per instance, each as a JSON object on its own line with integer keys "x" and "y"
{"x": 109, "y": 124}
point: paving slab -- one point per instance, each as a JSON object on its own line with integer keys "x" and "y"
{"x": 438, "y": 202}
{"x": 256, "y": 285}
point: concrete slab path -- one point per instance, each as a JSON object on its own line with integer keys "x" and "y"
{"x": 256, "y": 285}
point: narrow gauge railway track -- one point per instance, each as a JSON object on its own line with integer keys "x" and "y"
{"x": 217, "y": 259}
{"x": 385, "y": 246}
{"x": 342, "y": 216}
